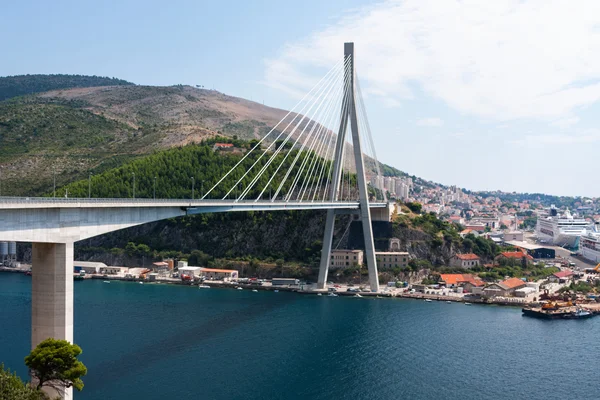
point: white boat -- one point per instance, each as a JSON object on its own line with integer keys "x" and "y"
{"x": 276, "y": 291}
{"x": 428, "y": 300}
{"x": 467, "y": 304}
{"x": 562, "y": 230}
{"x": 255, "y": 291}
{"x": 319, "y": 294}
{"x": 203, "y": 287}
{"x": 448, "y": 302}
{"x": 141, "y": 283}
{"x": 106, "y": 281}
{"x": 331, "y": 295}
{"x": 239, "y": 288}
{"x": 357, "y": 295}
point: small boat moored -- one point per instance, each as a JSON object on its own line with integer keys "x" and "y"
{"x": 428, "y": 300}
{"x": 203, "y": 287}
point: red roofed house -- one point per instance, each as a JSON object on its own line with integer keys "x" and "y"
{"x": 504, "y": 288}
{"x": 523, "y": 258}
{"x": 561, "y": 276}
{"x": 468, "y": 260}
{"x": 223, "y": 146}
{"x": 467, "y": 281}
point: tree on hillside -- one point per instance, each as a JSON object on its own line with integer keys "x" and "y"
{"x": 12, "y": 387}
{"x": 54, "y": 363}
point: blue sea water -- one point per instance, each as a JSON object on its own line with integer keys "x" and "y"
{"x": 156, "y": 341}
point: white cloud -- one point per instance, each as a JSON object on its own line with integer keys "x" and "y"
{"x": 430, "y": 122}
{"x": 565, "y": 122}
{"x": 587, "y": 136}
{"x": 502, "y": 59}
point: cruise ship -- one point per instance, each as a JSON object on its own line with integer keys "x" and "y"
{"x": 589, "y": 246}
{"x": 562, "y": 230}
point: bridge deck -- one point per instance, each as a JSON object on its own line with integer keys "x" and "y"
{"x": 192, "y": 205}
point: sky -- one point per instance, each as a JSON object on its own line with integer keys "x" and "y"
{"x": 494, "y": 95}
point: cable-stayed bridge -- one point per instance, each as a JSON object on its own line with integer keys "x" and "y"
{"x": 317, "y": 157}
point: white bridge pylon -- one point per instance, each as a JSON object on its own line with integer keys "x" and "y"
{"x": 349, "y": 117}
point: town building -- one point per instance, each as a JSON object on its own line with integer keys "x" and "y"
{"x": 346, "y": 258}
{"x": 223, "y": 147}
{"x": 190, "y": 271}
{"x": 561, "y": 276}
{"x": 89, "y": 267}
{"x": 513, "y": 235}
{"x": 517, "y": 256}
{"x": 468, "y": 260}
{"x": 113, "y": 270}
{"x": 225, "y": 275}
{"x": 504, "y": 288}
{"x": 391, "y": 259}
{"x": 466, "y": 281}
{"x": 284, "y": 282}
{"x": 534, "y": 250}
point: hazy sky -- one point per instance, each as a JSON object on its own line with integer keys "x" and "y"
{"x": 480, "y": 94}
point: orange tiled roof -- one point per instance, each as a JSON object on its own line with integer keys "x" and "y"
{"x": 513, "y": 283}
{"x": 224, "y": 144}
{"x": 515, "y": 254}
{"x": 468, "y": 256}
{"x": 218, "y": 270}
{"x": 455, "y": 279}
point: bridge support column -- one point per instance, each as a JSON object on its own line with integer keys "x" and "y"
{"x": 52, "y": 297}
{"x": 326, "y": 250}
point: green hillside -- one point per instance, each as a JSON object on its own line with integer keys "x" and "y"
{"x": 174, "y": 169}
{"x": 20, "y": 85}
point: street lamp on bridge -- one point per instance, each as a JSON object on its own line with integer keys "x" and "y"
{"x": 154, "y": 191}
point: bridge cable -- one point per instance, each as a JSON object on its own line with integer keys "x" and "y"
{"x": 313, "y": 155}
{"x": 317, "y": 85}
{"x": 315, "y": 124}
{"x": 287, "y": 138}
{"x": 370, "y": 137}
{"x": 319, "y": 92}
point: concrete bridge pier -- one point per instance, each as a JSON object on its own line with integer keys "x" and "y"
{"x": 52, "y": 298}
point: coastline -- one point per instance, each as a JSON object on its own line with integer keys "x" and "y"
{"x": 386, "y": 293}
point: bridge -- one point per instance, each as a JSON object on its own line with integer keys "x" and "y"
{"x": 313, "y": 159}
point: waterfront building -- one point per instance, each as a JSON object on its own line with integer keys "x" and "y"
{"x": 160, "y": 266}
{"x": 468, "y": 260}
{"x": 460, "y": 280}
{"x": 225, "y": 275}
{"x": 346, "y": 258}
{"x": 89, "y": 267}
{"x": 391, "y": 259}
{"x": 284, "y": 282}
{"x": 113, "y": 270}
{"x": 190, "y": 271}
{"x": 504, "y": 288}
{"x": 561, "y": 276}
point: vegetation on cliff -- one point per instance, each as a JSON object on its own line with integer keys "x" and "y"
{"x": 20, "y": 85}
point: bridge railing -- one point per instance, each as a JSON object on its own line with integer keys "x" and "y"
{"x": 85, "y": 200}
